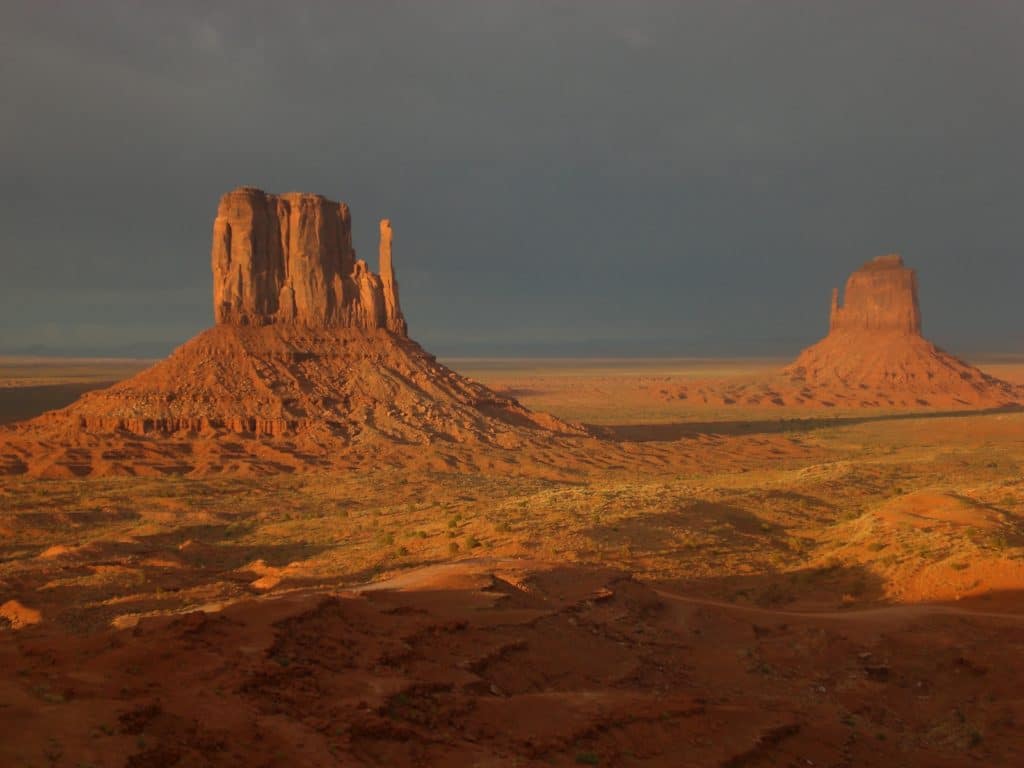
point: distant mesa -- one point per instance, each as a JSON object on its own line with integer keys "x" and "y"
{"x": 874, "y": 347}
{"x": 309, "y": 364}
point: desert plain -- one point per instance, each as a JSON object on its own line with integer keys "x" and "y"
{"x": 686, "y": 582}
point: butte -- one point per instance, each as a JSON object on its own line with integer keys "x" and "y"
{"x": 874, "y": 352}
{"x": 309, "y": 365}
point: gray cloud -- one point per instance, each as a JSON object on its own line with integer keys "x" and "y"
{"x": 613, "y": 176}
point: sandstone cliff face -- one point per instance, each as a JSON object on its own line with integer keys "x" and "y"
{"x": 288, "y": 259}
{"x": 880, "y": 296}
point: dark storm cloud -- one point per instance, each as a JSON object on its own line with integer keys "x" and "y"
{"x": 575, "y": 176}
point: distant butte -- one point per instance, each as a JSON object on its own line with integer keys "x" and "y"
{"x": 881, "y": 297}
{"x": 874, "y": 356}
{"x": 875, "y": 346}
{"x": 309, "y": 363}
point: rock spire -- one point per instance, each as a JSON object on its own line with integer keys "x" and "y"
{"x": 392, "y": 309}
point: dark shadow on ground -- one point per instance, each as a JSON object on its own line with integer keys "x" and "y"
{"x": 517, "y": 392}
{"x": 828, "y": 588}
{"x": 575, "y": 665}
{"x": 656, "y": 433}
{"x": 20, "y": 403}
{"x": 673, "y": 529}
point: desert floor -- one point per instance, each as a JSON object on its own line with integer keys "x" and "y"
{"x": 804, "y": 587}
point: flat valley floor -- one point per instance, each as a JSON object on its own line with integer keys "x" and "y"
{"x": 733, "y": 582}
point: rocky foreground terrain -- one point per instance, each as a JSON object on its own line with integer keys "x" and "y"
{"x": 844, "y": 594}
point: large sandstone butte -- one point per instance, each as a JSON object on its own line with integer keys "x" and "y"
{"x": 309, "y": 365}
{"x": 875, "y": 350}
{"x": 288, "y": 259}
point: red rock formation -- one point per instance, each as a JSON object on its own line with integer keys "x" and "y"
{"x": 289, "y": 259}
{"x": 309, "y": 361}
{"x": 875, "y": 353}
{"x": 880, "y": 296}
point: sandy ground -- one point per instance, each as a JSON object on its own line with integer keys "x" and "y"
{"x": 703, "y": 586}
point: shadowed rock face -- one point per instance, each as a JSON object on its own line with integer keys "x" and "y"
{"x": 880, "y": 296}
{"x": 288, "y": 259}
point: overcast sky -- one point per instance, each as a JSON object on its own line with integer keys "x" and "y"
{"x": 563, "y": 177}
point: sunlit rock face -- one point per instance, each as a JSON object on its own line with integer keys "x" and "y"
{"x": 880, "y": 296}
{"x": 288, "y": 259}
